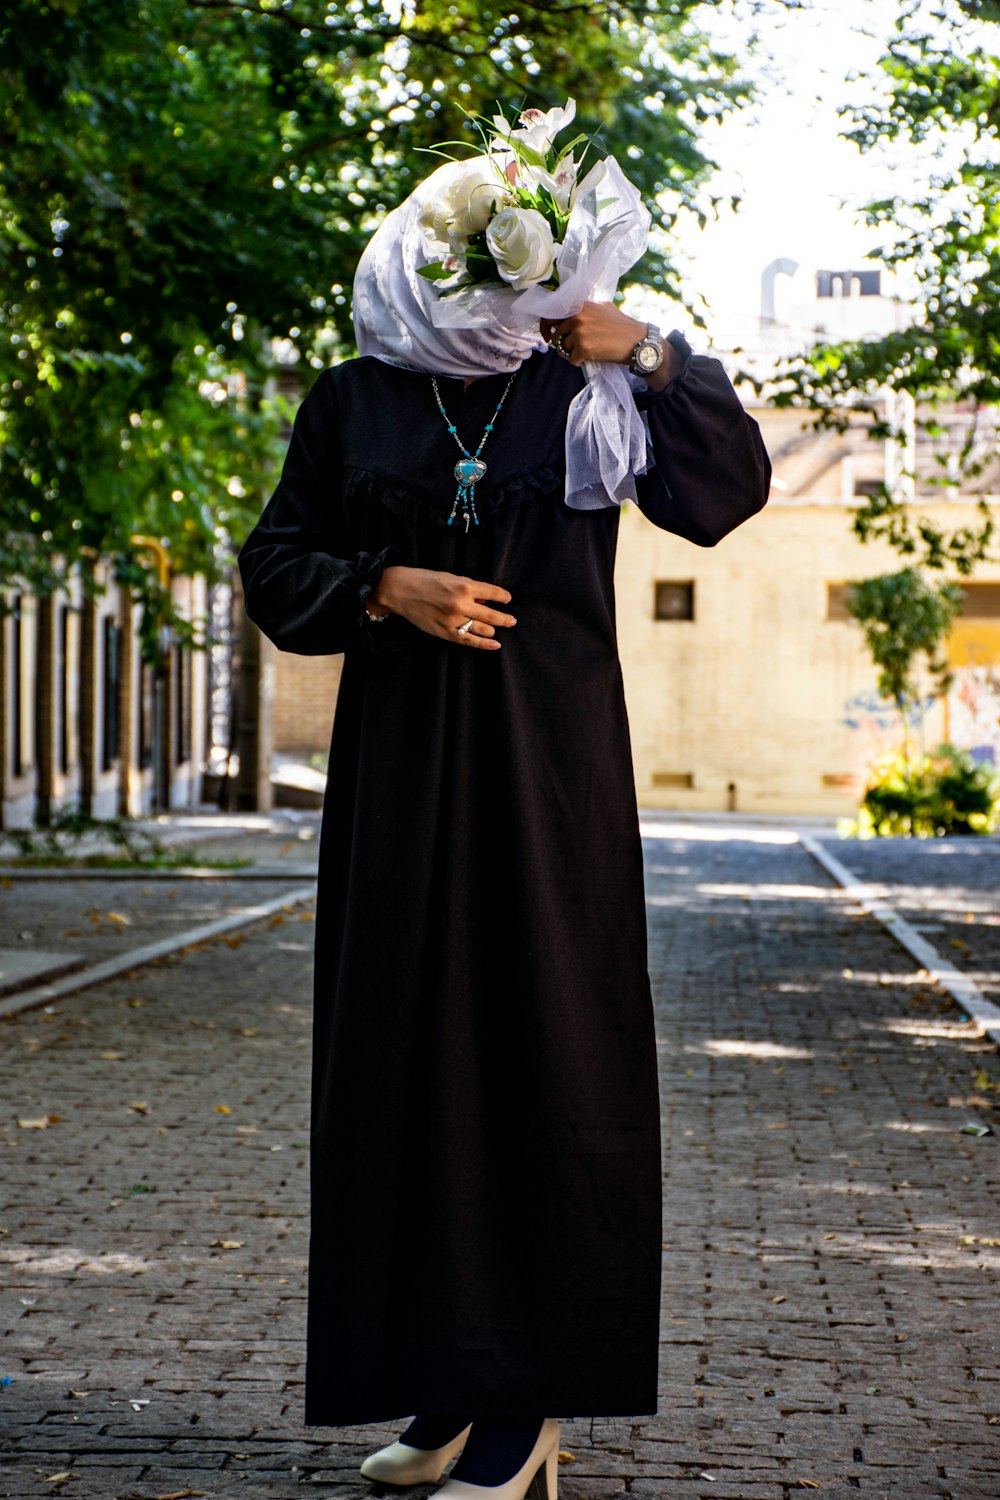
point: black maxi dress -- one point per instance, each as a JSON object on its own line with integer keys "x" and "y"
{"x": 485, "y": 1173}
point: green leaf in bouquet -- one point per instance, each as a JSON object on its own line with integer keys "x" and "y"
{"x": 566, "y": 150}
{"x": 435, "y": 271}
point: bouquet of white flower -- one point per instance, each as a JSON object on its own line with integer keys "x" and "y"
{"x": 458, "y": 278}
{"x": 502, "y": 216}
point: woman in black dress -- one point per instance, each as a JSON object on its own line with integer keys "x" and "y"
{"x": 486, "y": 1234}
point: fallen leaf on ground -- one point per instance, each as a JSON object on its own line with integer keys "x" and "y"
{"x": 566, "y": 1457}
{"x": 808, "y": 1484}
{"x": 112, "y": 1056}
{"x": 41, "y": 1122}
{"x": 181, "y": 1495}
{"x": 778, "y": 1299}
{"x": 78, "y": 1394}
{"x": 232, "y": 940}
{"x": 140, "y": 1106}
{"x": 223, "y": 1109}
{"x": 137, "y": 1405}
{"x": 63, "y": 1474}
{"x": 226, "y": 1244}
{"x": 248, "y": 1031}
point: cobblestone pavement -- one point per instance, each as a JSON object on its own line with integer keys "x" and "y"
{"x": 948, "y": 888}
{"x": 831, "y": 1235}
{"x": 99, "y": 918}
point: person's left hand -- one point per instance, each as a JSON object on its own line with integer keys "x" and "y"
{"x": 600, "y": 333}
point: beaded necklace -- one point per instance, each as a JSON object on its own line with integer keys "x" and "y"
{"x": 470, "y": 469}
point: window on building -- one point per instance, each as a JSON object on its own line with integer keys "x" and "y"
{"x": 147, "y": 713}
{"x": 868, "y": 486}
{"x": 182, "y": 705}
{"x": 674, "y": 600}
{"x": 111, "y": 693}
{"x": 17, "y": 685}
{"x": 981, "y": 601}
{"x": 673, "y": 778}
{"x": 848, "y": 283}
{"x": 836, "y": 602}
{"x": 62, "y": 686}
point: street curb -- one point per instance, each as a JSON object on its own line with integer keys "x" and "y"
{"x": 44, "y": 994}
{"x": 963, "y": 990}
{"x": 182, "y": 872}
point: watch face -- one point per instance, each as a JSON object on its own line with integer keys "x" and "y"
{"x": 648, "y": 356}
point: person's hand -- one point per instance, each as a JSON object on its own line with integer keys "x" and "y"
{"x": 439, "y": 603}
{"x": 600, "y": 333}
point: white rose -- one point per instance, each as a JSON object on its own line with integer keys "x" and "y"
{"x": 468, "y": 194}
{"x": 521, "y": 243}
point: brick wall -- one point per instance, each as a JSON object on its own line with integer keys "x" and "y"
{"x": 305, "y": 691}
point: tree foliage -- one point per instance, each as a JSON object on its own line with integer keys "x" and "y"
{"x": 906, "y": 616}
{"x": 183, "y": 182}
{"x": 941, "y": 91}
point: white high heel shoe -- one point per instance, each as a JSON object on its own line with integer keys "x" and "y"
{"x": 537, "y": 1480}
{"x": 401, "y": 1464}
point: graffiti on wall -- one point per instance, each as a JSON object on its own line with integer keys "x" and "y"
{"x": 974, "y": 712}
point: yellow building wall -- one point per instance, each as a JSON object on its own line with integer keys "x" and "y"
{"x": 305, "y": 694}
{"x": 764, "y": 703}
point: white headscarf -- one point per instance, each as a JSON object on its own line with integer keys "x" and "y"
{"x": 401, "y": 317}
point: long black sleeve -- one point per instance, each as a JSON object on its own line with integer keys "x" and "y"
{"x": 711, "y": 469}
{"x": 300, "y": 588}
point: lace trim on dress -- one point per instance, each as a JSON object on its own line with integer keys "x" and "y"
{"x": 365, "y": 484}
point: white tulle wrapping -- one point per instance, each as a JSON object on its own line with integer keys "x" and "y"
{"x": 401, "y": 317}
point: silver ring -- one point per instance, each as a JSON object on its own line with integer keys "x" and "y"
{"x": 464, "y": 629}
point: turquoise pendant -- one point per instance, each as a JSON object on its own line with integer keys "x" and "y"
{"x": 468, "y": 472}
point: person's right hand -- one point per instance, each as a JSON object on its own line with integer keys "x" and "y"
{"x": 440, "y": 602}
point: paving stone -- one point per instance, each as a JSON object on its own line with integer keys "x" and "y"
{"x": 824, "y": 1313}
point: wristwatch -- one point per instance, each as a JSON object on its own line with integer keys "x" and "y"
{"x": 647, "y": 355}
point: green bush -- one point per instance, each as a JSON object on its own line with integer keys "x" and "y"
{"x": 943, "y": 792}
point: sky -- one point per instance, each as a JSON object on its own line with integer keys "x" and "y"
{"x": 801, "y": 183}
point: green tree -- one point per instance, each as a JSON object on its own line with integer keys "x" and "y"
{"x": 906, "y": 616}
{"x": 941, "y": 77}
{"x": 184, "y": 181}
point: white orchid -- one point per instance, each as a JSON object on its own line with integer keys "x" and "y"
{"x": 537, "y": 128}
{"x": 559, "y": 183}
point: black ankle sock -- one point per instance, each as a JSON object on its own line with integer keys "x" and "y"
{"x": 497, "y": 1448}
{"x": 433, "y": 1431}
